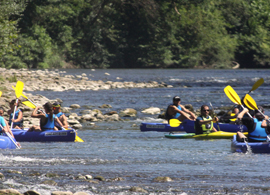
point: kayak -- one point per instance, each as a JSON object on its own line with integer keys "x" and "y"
{"x": 6, "y": 143}
{"x": 214, "y": 135}
{"x": 21, "y": 135}
{"x": 179, "y": 135}
{"x": 188, "y": 127}
{"x": 255, "y": 147}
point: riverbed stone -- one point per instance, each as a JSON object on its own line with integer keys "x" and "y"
{"x": 31, "y": 192}
{"x": 162, "y": 179}
{"x": 152, "y": 110}
{"x": 74, "y": 106}
{"x": 52, "y": 175}
{"x": 105, "y": 106}
{"x": 2, "y": 176}
{"x": 100, "y": 178}
{"x": 61, "y": 193}
{"x": 129, "y": 112}
{"x": 14, "y": 171}
{"x": 81, "y": 193}
{"x": 9, "y": 192}
{"x": 49, "y": 182}
{"x": 137, "y": 189}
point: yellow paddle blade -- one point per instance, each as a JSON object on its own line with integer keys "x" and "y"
{"x": 78, "y": 139}
{"x": 232, "y": 95}
{"x": 29, "y": 104}
{"x": 19, "y": 89}
{"x": 250, "y": 102}
{"x": 257, "y": 84}
{"x": 174, "y": 122}
{"x": 0, "y": 93}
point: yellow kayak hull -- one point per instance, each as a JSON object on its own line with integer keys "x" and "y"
{"x": 217, "y": 135}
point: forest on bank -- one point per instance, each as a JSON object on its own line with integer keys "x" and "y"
{"x": 134, "y": 33}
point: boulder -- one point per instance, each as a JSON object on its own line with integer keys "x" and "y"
{"x": 129, "y": 112}
{"x": 61, "y": 193}
{"x": 152, "y": 110}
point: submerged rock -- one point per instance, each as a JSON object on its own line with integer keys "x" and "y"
{"x": 137, "y": 189}
{"x": 129, "y": 112}
{"x": 163, "y": 179}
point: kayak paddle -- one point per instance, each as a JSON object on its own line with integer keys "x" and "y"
{"x": 233, "y": 96}
{"x": 175, "y": 122}
{"x": 256, "y": 85}
{"x": 215, "y": 115}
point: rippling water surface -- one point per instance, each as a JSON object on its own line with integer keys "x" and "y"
{"x": 118, "y": 149}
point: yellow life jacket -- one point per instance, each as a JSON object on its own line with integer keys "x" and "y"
{"x": 207, "y": 128}
{"x": 233, "y": 119}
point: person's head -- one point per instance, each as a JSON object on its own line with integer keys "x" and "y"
{"x": 56, "y": 107}
{"x": 1, "y": 111}
{"x": 235, "y": 110}
{"x": 258, "y": 115}
{"x": 48, "y": 108}
{"x": 13, "y": 103}
{"x": 176, "y": 100}
{"x": 205, "y": 110}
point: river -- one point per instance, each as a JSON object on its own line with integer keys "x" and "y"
{"x": 120, "y": 149}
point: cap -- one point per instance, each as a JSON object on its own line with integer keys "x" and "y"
{"x": 176, "y": 98}
{"x": 56, "y": 104}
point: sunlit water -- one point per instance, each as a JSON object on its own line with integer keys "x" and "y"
{"x": 117, "y": 149}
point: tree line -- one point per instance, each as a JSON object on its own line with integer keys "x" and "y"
{"x": 134, "y": 33}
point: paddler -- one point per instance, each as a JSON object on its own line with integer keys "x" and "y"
{"x": 178, "y": 111}
{"x": 47, "y": 119}
{"x": 18, "y": 118}
{"x": 61, "y": 116}
{"x": 5, "y": 123}
{"x": 257, "y": 128}
{"x": 204, "y": 122}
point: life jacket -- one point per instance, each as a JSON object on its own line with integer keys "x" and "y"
{"x": 233, "y": 119}
{"x": 207, "y": 127}
{"x": 20, "y": 123}
{"x": 259, "y": 134}
{"x": 49, "y": 124}
{"x": 3, "y": 124}
{"x": 168, "y": 117}
{"x": 204, "y": 128}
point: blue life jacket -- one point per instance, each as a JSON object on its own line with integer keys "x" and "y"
{"x": 20, "y": 123}
{"x": 259, "y": 134}
{"x": 168, "y": 117}
{"x": 59, "y": 114}
{"x": 3, "y": 124}
{"x": 49, "y": 124}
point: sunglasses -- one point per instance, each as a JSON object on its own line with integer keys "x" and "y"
{"x": 206, "y": 110}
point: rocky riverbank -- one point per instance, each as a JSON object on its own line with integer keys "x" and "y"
{"x": 39, "y": 80}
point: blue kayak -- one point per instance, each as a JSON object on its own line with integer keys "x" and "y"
{"x": 21, "y": 135}
{"x": 6, "y": 143}
{"x": 188, "y": 127}
{"x": 256, "y": 147}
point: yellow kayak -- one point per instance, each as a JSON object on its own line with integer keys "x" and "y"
{"x": 217, "y": 135}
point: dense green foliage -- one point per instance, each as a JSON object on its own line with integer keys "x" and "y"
{"x": 134, "y": 33}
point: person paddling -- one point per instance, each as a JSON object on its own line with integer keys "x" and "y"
{"x": 178, "y": 111}
{"x": 61, "y": 116}
{"x": 18, "y": 118}
{"x": 204, "y": 122}
{"x": 257, "y": 128}
{"x": 47, "y": 119}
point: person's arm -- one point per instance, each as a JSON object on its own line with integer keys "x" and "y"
{"x": 242, "y": 113}
{"x": 35, "y": 114}
{"x": 265, "y": 124}
{"x": 8, "y": 129}
{"x": 201, "y": 122}
{"x": 192, "y": 115}
{"x": 64, "y": 121}
{"x": 175, "y": 109}
{"x": 56, "y": 119}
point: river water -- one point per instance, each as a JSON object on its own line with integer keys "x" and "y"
{"x": 120, "y": 149}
